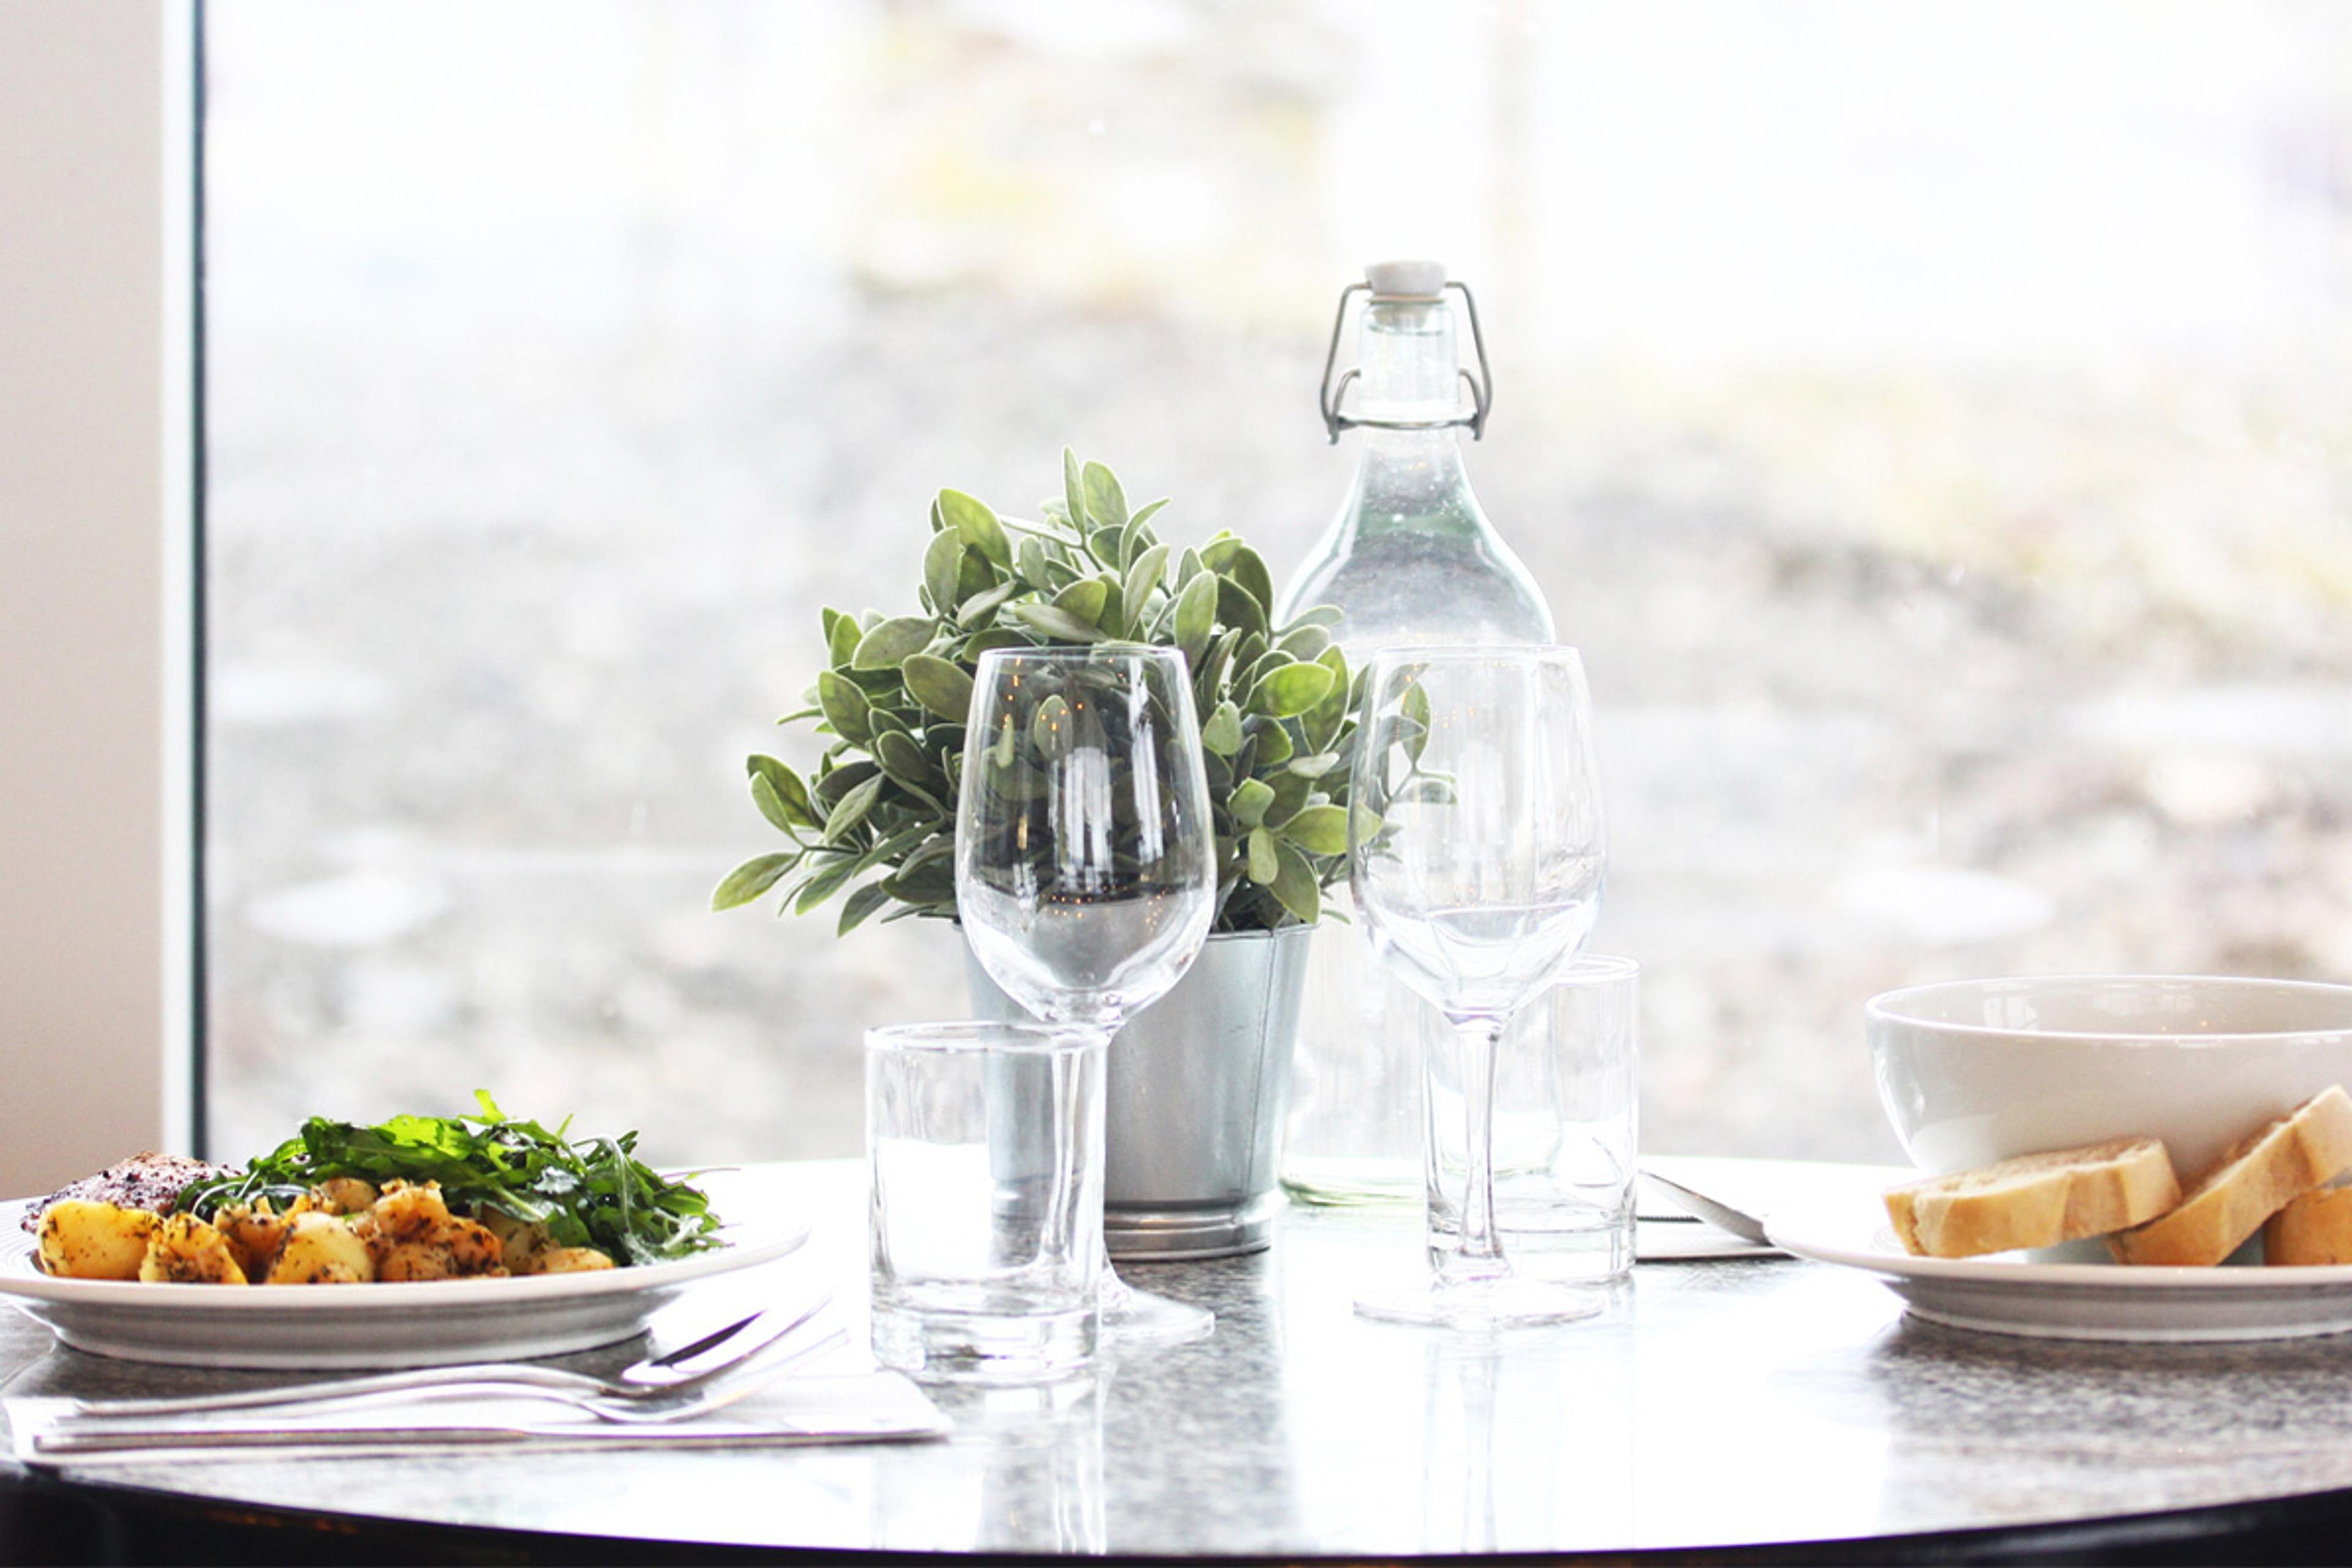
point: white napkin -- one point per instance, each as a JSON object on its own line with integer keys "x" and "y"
{"x": 862, "y": 1407}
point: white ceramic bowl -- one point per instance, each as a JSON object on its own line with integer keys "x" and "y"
{"x": 1977, "y": 1071}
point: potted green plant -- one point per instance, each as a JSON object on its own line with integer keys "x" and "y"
{"x": 1198, "y": 1081}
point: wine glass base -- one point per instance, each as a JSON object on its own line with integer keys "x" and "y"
{"x": 1506, "y": 1301}
{"x": 1133, "y": 1319}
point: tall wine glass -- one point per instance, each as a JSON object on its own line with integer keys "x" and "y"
{"x": 1476, "y": 855}
{"x": 1086, "y": 862}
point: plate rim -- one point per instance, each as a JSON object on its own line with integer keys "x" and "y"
{"x": 1796, "y": 1234}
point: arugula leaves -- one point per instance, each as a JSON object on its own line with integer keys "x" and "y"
{"x": 592, "y": 1193}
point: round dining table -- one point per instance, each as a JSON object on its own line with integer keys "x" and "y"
{"x": 1753, "y": 1408}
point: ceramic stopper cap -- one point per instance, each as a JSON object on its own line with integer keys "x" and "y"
{"x": 1406, "y": 279}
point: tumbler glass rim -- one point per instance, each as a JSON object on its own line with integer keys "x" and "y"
{"x": 979, "y": 1037}
{"x": 1081, "y": 653}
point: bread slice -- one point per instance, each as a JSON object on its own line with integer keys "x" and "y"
{"x": 2314, "y": 1228}
{"x": 2036, "y": 1200}
{"x": 2261, "y": 1173}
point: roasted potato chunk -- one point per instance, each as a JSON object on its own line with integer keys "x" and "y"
{"x": 82, "y": 1238}
{"x": 185, "y": 1250}
{"x": 321, "y": 1249}
{"x": 344, "y": 1194}
{"x": 414, "y": 1236}
{"x": 566, "y": 1260}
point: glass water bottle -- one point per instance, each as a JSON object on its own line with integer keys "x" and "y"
{"x": 1409, "y": 559}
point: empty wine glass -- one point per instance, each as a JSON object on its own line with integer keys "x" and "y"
{"x": 1476, "y": 857}
{"x": 1086, "y": 861}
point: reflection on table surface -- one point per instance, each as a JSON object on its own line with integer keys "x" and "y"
{"x": 1747, "y": 1401}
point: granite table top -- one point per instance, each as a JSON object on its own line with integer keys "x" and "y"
{"x": 1713, "y": 1405}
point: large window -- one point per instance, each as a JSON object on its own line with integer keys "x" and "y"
{"x": 1929, "y": 420}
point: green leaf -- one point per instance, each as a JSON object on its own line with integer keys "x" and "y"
{"x": 929, "y": 881}
{"x": 789, "y": 790}
{"x": 1315, "y": 766}
{"x": 1208, "y": 679}
{"x": 1054, "y": 622}
{"x": 1219, "y": 552}
{"x": 1145, "y": 512}
{"x": 842, "y": 634}
{"x": 1085, "y": 600}
{"x": 903, "y": 759}
{"x": 943, "y": 569}
{"x": 1106, "y": 502}
{"x": 1304, "y": 643}
{"x": 1320, "y": 830}
{"x": 1074, "y": 491}
{"x": 1248, "y": 806}
{"x": 940, "y": 686}
{"x": 1143, "y": 577}
{"x": 1196, "y": 618}
{"x": 861, "y": 903}
{"x": 1223, "y": 733}
{"x": 1236, "y": 607}
{"x": 824, "y": 884}
{"x": 1294, "y": 887}
{"x": 839, "y": 780}
{"x": 1413, "y": 731}
{"x": 1327, "y": 617}
{"x": 1103, "y": 544}
{"x": 995, "y": 636}
{"x": 976, "y": 574}
{"x": 752, "y": 878}
{"x": 1264, "y": 858}
{"x": 887, "y": 645}
{"x": 1033, "y": 567}
{"x": 1290, "y": 690}
{"x": 1248, "y": 568}
{"x": 771, "y": 803}
{"x": 1049, "y": 728}
{"x": 851, "y": 811}
{"x": 1291, "y": 796}
{"x": 1274, "y": 747}
{"x": 846, "y": 707}
{"x": 981, "y": 606}
{"x": 1187, "y": 566}
{"x": 972, "y": 518}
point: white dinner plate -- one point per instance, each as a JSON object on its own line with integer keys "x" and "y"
{"x": 2007, "y": 1294}
{"x": 336, "y": 1326}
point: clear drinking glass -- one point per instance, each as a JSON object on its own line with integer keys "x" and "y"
{"x": 1085, "y": 863}
{"x": 984, "y": 1153}
{"x": 1476, "y": 855}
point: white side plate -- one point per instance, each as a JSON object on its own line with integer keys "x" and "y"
{"x": 321, "y": 1327}
{"x": 2007, "y": 1294}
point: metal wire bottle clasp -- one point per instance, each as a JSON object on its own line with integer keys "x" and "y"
{"x": 1482, "y": 386}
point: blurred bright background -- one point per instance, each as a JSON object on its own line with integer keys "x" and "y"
{"x": 1931, "y": 421}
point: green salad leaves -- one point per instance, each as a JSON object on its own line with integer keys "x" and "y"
{"x": 593, "y": 1192}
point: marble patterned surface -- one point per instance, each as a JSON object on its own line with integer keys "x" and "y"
{"x": 1758, "y": 1400}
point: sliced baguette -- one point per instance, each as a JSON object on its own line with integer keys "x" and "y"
{"x": 2315, "y": 1228}
{"x": 2036, "y": 1200}
{"x": 2260, "y": 1174}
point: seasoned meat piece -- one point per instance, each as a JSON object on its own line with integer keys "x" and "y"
{"x": 148, "y": 1181}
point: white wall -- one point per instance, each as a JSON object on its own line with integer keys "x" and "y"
{"x": 94, "y": 159}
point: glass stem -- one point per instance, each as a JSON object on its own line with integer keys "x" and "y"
{"x": 1117, "y": 1300}
{"x": 1478, "y": 1039}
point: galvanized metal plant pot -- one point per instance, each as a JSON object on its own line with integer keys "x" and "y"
{"x": 1198, "y": 1089}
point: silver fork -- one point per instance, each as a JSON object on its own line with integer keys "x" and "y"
{"x": 645, "y": 1383}
{"x": 110, "y": 1432}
